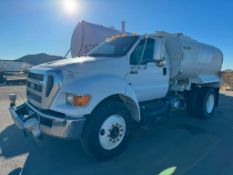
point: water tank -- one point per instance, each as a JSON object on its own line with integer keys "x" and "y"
{"x": 190, "y": 58}
{"x": 87, "y": 35}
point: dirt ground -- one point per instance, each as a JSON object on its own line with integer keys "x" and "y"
{"x": 187, "y": 144}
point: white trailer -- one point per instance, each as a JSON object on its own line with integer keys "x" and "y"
{"x": 10, "y": 66}
{"x": 13, "y": 66}
{"x": 96, "y": 98}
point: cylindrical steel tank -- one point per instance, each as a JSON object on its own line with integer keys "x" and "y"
{"x": 190, "y": 58}
{"x": 87, "y": 35}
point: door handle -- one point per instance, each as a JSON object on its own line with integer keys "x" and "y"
{"x": 133, "y": 72}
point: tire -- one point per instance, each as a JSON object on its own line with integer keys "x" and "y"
{"x": 208, "y": 103}
{"x": 198, "y": 103}
{"x": 107, "y": 130}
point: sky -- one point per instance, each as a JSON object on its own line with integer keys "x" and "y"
{"x": 43, "y": 26}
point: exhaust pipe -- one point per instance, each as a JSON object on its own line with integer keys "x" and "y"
{"x": 123, "y": 26}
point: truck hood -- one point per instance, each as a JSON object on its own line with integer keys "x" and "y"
{"x": 90, "y": 65}
{"x": 64, "y": 63}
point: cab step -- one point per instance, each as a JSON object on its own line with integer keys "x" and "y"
{"x": 154, "y": 112}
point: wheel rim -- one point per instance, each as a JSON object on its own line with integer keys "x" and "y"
{"x": 112, "y": 132}
{"x": 210, "y": 103}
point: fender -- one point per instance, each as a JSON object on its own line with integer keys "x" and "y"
{"x": 99, "y": 87}
{"x": 207, "y": 80}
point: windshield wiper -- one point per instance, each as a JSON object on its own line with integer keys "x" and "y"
{"x": 105, "y": 55}
{"x": 96, "y": 54}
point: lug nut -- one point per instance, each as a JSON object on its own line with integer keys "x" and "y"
{"x": 102, "y": 132}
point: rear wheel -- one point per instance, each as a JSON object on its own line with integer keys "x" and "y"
{"x": 107, "y": 130}
{"x": 201, "y": 102}
{"x": 208, "y": 105}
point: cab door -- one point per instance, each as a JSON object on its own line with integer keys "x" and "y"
{"x": 148, "y": 80}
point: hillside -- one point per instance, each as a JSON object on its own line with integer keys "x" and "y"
{"x": 39, "y": 58}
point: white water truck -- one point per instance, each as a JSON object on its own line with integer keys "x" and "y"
{"x": 125, "y": 80}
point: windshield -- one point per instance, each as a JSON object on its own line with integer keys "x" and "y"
{"x": 114, "y": 47}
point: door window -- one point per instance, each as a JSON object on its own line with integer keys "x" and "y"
{"x": 144, "y": 52}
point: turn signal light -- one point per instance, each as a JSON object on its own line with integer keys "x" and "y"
{"x": 77, "y": 100}
{"x": 81, "y": 100}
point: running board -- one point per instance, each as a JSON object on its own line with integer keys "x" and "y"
{"x": 154, "y": 112}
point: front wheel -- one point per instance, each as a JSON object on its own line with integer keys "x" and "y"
{"x": 107, "y": 130}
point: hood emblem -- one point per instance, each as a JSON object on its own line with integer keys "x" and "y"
{"x": 33, "y": 86}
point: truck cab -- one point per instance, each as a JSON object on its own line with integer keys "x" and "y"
{"x": 97, "y": 98}
{"x": 146, "y": 73}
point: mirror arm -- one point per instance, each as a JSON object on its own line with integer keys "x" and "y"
{"x": 160, "y": 62}
{"x": 151, "y": 61}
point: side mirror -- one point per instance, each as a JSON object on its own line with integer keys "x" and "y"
{"x": 159, "y": 52}
{"x": 162, "y": 62}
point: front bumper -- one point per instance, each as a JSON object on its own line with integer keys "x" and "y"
{"x": 30, "y": 119}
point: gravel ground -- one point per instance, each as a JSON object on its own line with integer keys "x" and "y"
{"x": 6, "y": 164}
{"x": 189, "y": 145}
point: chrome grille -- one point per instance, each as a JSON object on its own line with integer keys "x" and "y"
{"x": 34, "y": 86}
{"x": 35, "y": 76}
{"x": 34, "y": 96}
{"x": 42, "y": 86}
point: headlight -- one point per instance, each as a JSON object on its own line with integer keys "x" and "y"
{"x": 78, "y": 100}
